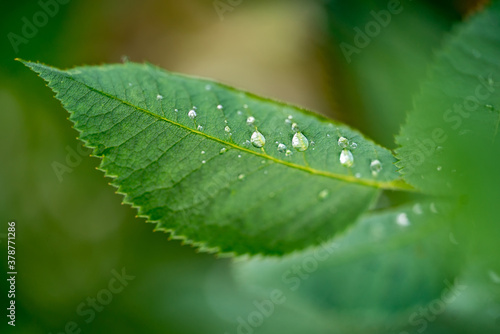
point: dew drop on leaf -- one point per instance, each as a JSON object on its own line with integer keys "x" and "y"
{"x": 220, "y": 106}
{"x": 281, "y": 147}
{"x": 300, "y": 142}
{"x": 241, "y": 176}
{"x": 323, "y": 194}
{"x": 375, "y": 167}
{"x": 346, "y": 158}
{"x": 402, "y": 219}
{"x": 250, "y": 120}
{"x": 343, "y": 142}
{"x": 288, "y": 153}
{"x": 192, "y": 114}
{"x": 200, "y": 128}
{"x": 295, "y": 127}
{"x": 227, "y": 129}
{"x": 223, "y": 150}
{"x": 159, "y": 97}
{"x": 258, "y": 139}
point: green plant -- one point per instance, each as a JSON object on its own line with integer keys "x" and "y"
{"x": 234, "y": 173}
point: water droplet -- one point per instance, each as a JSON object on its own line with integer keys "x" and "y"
{"x": 159, "y": 97}
{"x": 402, "y": 219}
{"x": 223, "y": 150}
{"x": 295, "y": 127}
{"x": 489, "y": 106}
{"x": 263, "y": 162}
{"x": 433, "y": 208}
{"x": 203, "y": 162}
{"x": 300, "y": 142}
{"x": 357, "y": 175}
{"x": 246, "y": 143}
{"x": 208, "y": 87}
{"x": 312, "y": 143}
{"x": 192, "y": 114}
{"x": 245, "y": 106}
{"x": 200, "y": 128}
{"x": 375, "y": 167}
{"x": 353, "y": 146}
{"x": 194, "y": 107}
{"x": 202, "y": 152}
{"x": 439, "y": 168}
{"x": 239, "y": 112}
{"x": 281, "y": 147}
{"x": 176, "y": 110}
{"x": 227, "y": 129}
{"x": 288, "y": 153}
{"x": 250, "y": 120}
{"x": 290, "y": 117}
{"x": 258, "y": 139}
{"x": 130, "y": 84}
{"x": 343, "y": 142}
{"x": 239, "y": 155}
{"x": 417, "y": 209}
{"x": 323, "y": 194}
{"x": 241, "y": 176}
{"x": 220, "y": 106}
{"x": 346, "y": 158}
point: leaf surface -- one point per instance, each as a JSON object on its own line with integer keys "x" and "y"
{"x": 208, "y": 163}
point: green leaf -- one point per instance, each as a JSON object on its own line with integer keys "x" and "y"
{"x": 450, "y": 140}
{"x": 186, "y": 154}
{"x": 381, "y": 271}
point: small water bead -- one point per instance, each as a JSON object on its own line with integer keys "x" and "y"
{"x": 202, "y": 152}
{"x": 250, "y": 120}
{"x": 239, "y": 112}
{"x": 245, "y": 106}
{"x": 357, "y": 175}
{"x": 295, "y": 127}
{"x": 227, "y": 129}
{"x": 433, "y": 208}
{"x": 130, "y": 84}
{"x": 290, "y": 117}
{"x": 343, "y": 142}
{"x": 439, "y": 168}
{"x": 223, "y": 150}
{"x": 346, "y": 158}
{"x": 288, "y": 153}
{"x": 194, "y": 107}
{"x": 402, "y": 220}
{"x": 353, "y": 146}
{"x": 375, "y": 167}
{"x": 258, "y": 139}
{"x": 312, "y": 143}
{"x": 200, "y": 128}
{"x": 300, "y": 142}
{"x": 417, "y": 209}
{"x": 159, "y": 97}
{"x": 220, "y": 107}
{"x": 208, "y": 87}
{"x": 246, "y": 143}
{"x": 192, "y": 114}
{"x": 239, "y": 155}
{"x": 241, "y": 176}
{"x": 176, "y": 110}
{"x": 203, "y": 162}
{"x": 281, "y": 147}
{"x": 323, "y": 194}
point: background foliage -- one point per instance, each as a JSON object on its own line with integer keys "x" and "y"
{"x": 72, "y": 234}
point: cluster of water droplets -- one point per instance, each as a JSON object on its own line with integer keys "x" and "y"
{"x": 346, "y": 158}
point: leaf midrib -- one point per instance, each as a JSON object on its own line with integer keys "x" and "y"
{"x": 392, "y": 185}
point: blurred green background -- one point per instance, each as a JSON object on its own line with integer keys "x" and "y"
{"x": 72, "y": 230}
